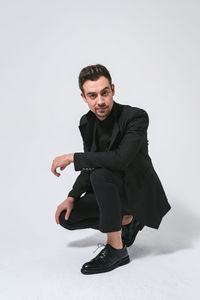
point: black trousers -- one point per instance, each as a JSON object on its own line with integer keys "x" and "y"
{"x": 102, "y": 206}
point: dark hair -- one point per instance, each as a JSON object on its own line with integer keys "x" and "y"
{"x": 93, "y": 72}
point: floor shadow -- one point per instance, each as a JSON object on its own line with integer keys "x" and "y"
{"x": 92, "y": 240}
{"x": 179, "y": 230}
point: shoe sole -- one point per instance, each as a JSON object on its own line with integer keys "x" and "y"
{"x": 124, "y": 261}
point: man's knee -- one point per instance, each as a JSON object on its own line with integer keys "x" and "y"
{"x": 101, "y": 174}
{"x": 62, "y": 217}
{"x": 65, "y": 223}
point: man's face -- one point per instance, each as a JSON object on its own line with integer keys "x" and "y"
{"x": 99, "y": 96}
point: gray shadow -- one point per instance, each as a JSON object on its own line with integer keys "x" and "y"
{"x": 179, "y": 230}
{"x": 92, "y": 240}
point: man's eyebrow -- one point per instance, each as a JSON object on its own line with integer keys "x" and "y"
{"x": 91, "y": 93}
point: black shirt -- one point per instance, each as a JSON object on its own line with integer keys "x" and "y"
{"x": 104, "y": 131}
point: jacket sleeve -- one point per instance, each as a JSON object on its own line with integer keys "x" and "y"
{"x": 126, "y": 151}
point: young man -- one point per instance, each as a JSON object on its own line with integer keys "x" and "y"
{"x": 123, "y": 192}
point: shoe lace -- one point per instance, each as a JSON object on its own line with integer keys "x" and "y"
{"x": 99, "y": 245}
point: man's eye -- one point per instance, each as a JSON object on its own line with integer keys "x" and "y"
{"x": 104, "y": 93}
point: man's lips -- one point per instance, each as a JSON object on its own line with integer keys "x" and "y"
{"x": 101, "y": 108}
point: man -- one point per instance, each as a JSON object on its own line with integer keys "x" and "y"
{"x": 123, "y": 192}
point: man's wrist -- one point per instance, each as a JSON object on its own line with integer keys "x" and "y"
{"x": 71, "y": 157}
{"x": 70, "y": 198}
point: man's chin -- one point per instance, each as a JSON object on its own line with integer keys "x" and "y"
{"x": 102, "y": 115}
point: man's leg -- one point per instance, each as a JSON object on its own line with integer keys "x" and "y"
{"x": 106, "y": 185}
{"x": 115, "y": 239}
{"x": 85, "y": 214}
{"x": 127, "y": 219}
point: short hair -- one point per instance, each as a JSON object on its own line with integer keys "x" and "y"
{"x": 93, "y": 72}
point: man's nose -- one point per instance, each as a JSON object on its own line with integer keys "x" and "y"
{"x": 100, "y": 100}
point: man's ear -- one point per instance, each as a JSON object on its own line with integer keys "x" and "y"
{"x": 83, "y": 97}
{"x": 113, "y": 88}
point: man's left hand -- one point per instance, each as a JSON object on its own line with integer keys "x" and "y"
{"x": 61, "y": 162}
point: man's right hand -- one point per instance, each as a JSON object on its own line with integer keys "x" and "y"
{"x": 68, "y": 205}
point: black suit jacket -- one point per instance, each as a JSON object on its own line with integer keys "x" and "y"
{"x": 128, "y": 152}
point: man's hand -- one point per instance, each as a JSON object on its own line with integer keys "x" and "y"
{"x": 61, "y": 161}
{"x": 68, "y": 205}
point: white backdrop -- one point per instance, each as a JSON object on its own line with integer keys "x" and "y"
{"x": 151, "y": 49}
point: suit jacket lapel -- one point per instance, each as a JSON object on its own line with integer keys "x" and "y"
{"x": 114, "y": 135}
{"x": 87, "y": 132}
{"x": 94, "y": 146}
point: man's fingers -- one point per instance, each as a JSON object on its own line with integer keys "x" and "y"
{"x": 57, "y": 218}
{"x": 67, "y": 214}
{"x": 57, "y": 215}
{"x": 62, "y": 168}
{"x": 53, "y": 169}
{"x": 55, "y": 172}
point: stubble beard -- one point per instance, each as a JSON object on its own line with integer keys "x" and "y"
{"x": 103, "y": 116}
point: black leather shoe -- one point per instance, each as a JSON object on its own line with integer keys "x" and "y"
{"x": 108, "y": 259}
{"x": 130, "y": 231}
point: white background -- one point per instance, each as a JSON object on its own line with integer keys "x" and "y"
{"x": 151, "y": 49}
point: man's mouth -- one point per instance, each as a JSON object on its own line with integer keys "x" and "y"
{"x": 101, "y": 108}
